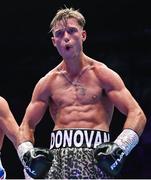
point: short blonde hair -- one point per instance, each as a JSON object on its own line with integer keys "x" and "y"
{"x": 66, "y": 13}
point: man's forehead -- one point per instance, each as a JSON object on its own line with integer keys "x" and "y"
{"x": 71, "y": 22}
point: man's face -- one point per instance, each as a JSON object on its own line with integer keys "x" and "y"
{"x": 68, "y": 37}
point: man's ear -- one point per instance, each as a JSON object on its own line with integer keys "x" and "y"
{"x": 84, "y": 35}
{"x": 53, "y": 41}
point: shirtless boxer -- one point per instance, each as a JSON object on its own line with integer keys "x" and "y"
{"x": 81, "y": 94}
{"x": 8, "y": 127}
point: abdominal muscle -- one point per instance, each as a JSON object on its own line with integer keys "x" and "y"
{"x": 85, "y": 116}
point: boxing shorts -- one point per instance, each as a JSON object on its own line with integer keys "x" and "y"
{"x": 2, "y": 171}
{"x": 73, "y": 151}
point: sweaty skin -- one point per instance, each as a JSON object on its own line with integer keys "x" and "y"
{"x": 80, "y": 92}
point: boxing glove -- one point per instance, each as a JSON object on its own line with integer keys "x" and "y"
{"x": 36, "y": 161}
{"x": 110, "y": 156}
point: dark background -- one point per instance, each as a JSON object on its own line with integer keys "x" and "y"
{"x": 119, "y": 34}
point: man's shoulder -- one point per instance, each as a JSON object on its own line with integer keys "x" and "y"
{"x": 104, "y": 73}
{"x": 3, "y": 100}
{"x": 97, "y": 63}
{"x": 4, "y": 107}
{"x": 49, "y": 76}
{"x": 99, "y": 66}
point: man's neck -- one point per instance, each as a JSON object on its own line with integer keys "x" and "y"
{"x": 75, "y": 65}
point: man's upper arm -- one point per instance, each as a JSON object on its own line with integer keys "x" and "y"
{"x": 5, "y": 112}
{"x": 122, "y": 100}
{"x": 8, "y": 123}
{"x": 117, "y": 92}
{"x": 38, "y": 105}
{"x": 34, "y": 113}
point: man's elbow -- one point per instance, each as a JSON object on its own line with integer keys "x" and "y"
{"x": 142, "y": 121}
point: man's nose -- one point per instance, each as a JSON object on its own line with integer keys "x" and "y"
{"x": 66, "y": 36}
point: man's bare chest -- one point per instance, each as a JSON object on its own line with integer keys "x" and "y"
{"x": 84, "y": 89}
{"x": 80, "y": 93}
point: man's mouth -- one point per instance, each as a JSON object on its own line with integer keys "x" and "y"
{"x": 67, "y": 47}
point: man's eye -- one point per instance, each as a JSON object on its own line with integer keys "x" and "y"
{"x": 59, "y": 33}
{"x": 72, "y": 30}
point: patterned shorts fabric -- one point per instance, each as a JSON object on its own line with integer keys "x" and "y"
{"x": 74, "y": 154}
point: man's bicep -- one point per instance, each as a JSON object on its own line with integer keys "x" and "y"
{"x": 122, "y": 99}
{"x": 34, "y": 113}
{"x": 37, "y": 106}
